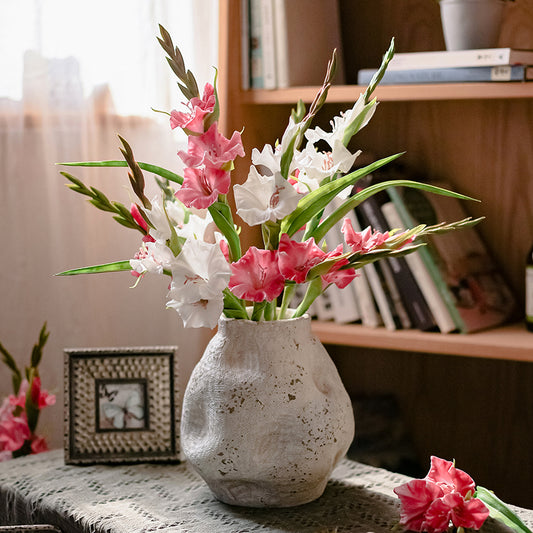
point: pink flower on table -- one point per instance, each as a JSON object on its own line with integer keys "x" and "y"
{"x": 467, "y": 513}
{"x": 39, "y": 397}
{"x": 416, "y": 498}
{"x": 256, "y": 276}
{"x": 449, "y": 478}
{"x": 201, "y": 186}
{"x": 193, "y": 120}
{"x": 362, "y": 241}
{"x": 443, "y": 496}
{"x": 212, "y": 148}
{"x": 297, "y": 258}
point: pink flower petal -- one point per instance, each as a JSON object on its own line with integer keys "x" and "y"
{"x": 297, "y": 258}
{"x": 256, "y": 276}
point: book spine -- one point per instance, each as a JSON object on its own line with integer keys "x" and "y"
{"x": 256, "y": 45}
{"x": 343, "y": 300}
{"x": 268, "y": 44}
{"x": 376, "y": 284}
{"x": 281, "y": 44}
{"x": 245, "y": 44}
{"x": 411, "y": 295}
{"x": 447, "y": 75}
{"x": 432, "y": 294}
{"x": 363, "y": 294}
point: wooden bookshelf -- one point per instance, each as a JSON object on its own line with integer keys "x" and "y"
{"x": 395, "y": 93}
{"x": 510, "y": 342}
{"x": 477, "y": 136}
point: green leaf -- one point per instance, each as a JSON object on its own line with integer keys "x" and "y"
{"x": 118, "y": 266}
{"x": 317, "y": 200}
{"x": 160, "y": 171}
{"x": 500, "y": 511}
{"x": 222, "y": 217}
{"x": 356, "y": 199}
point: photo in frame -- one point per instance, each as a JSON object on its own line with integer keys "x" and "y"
{"x": 121, "y": 405}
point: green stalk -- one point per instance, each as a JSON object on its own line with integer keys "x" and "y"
{"x": 313, "y": 291}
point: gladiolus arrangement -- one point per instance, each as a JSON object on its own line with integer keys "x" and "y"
{"x": 448, "y": 497}
{"x": 19, "y": 412}
{"x": 289, "y": 185}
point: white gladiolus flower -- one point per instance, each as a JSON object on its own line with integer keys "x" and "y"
{"x": 158, "y": 218}
{"x": 200, "y": 274}
{"x": 152, "y": 258}
{"x": 262, "y": 198}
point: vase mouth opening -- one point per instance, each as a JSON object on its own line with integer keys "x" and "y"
{"x": 288, "y": 318}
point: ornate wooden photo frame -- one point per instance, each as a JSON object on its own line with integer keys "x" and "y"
{"x": 121, "y": 405}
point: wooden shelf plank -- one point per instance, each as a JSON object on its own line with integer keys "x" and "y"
{"x": 511, "y": 342}
{"x": 395, "y": 93}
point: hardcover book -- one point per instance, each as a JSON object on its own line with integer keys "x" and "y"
{"x": 442, "y": 306}
{"x": 411, "y": 296}
{"x": 306, "y": 33}
{"x": 500, "y": 73}
{"x": 481, "y": 295}
{"x": 461, "y": 58}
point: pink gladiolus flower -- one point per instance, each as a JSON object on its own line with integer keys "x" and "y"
{"x": 416, "y": 498}
{"x": 297, "y": 258}
{"x": 201, "y": 186}
{"x": 38, "y": 444}
{"x": 212, "y": 148}
{"x": 20, "y": 400}
{"x": 136, "y": 214}
{"x": 39, "y": 397}
{"x": 362, "y": 241}
{"x": 14, "y": 431}
{"x": 449, "y": 478}
{"x": 256, "y": 276}
{"x": 444, "y": 495}
{"x": 193, "y": 121}
{"x": 341, "y": 278}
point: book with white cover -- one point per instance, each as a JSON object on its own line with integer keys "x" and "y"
{"x": 427, "y": 284}
{"x": 306, "y": 33}
{"x": 461, "y": 58}
{"x": 363, "y": 295}
{"x": 374, "y": 282}
{"x": 343, "y": 301}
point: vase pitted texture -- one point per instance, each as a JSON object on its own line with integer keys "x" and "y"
{"x": 265, "y": 416}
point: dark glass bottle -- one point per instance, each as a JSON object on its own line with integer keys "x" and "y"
{"x": 529, "y": 290}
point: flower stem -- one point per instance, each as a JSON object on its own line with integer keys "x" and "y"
{"x": 288, "y": 293}
{"x": 313, "y": 291}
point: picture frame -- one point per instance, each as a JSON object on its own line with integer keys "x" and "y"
{"x": 121, "y": 405}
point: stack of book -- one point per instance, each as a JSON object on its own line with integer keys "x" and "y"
{"x": 287, "y": 43}
{"x": 450, "y": 285}
{"x": 456, "y": 66}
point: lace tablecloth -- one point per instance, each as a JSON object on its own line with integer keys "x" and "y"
{"x": 172, "y": 498}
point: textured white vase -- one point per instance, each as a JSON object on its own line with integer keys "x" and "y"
{"x": 471, "y": 24}
{"x": 265, "y": 415}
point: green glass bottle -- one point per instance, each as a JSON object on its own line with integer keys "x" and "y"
{"x": 529, "y": 290}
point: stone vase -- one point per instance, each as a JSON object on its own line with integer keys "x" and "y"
{"x": 265, "y": 415}
{"x": 471, "y": 24}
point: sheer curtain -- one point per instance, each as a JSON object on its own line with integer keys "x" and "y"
{"x": 74, "y": 76}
